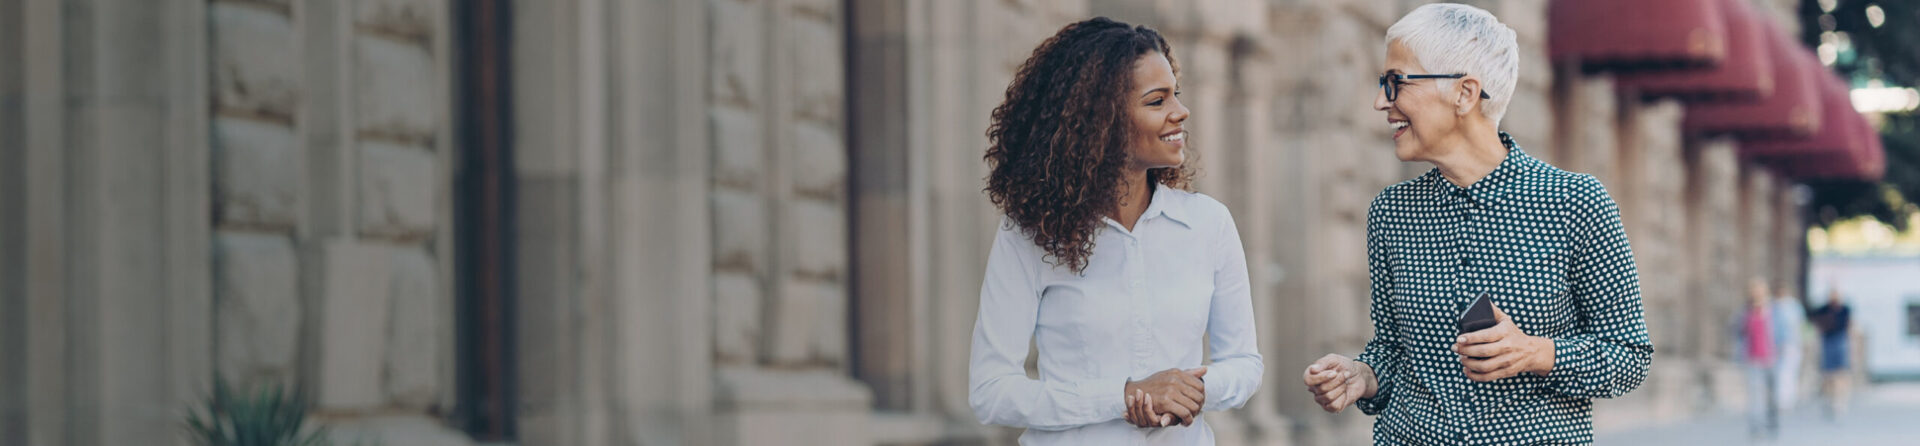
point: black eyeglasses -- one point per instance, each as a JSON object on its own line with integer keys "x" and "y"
{"x": 1393, "y": 89}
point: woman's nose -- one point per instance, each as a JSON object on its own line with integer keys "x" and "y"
{"x": 1380, "y": 100}
{"x": 1180, "y": 113}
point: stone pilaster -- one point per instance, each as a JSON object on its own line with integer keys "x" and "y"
{"x": 108, "y": 291}
{"x": 1650, "y": 179}
{"x": 1717, "y": 289}
{"x": 780, "y": 207}
{"x": 1585, "y": 128}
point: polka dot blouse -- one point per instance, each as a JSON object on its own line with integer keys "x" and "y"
{"x": 1548, "y": 245}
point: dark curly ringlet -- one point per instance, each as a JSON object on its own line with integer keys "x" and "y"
{"x": 1059, "y": 144}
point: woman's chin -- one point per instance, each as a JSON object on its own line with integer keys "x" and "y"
{"x": 1406, "y": 152}
{"x": 1170, "y": 160}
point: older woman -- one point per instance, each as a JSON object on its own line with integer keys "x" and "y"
{"x": 1104, "y": 260}
{"x": 1546, "y": 246}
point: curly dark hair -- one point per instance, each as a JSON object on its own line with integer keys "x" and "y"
{"x": 1059, "y": 143}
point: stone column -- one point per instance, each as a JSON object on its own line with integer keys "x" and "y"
{"x": 613, "y": 151}
{"x": 1585, "y": 128}
{"x": 14, "y": 407}
{"x": 883, "y": 262}
{"x": 1758, "y": 196}
{"x": 780, "y": 240}
{"x": 559, "y": 147}
{"x": 42, "y": 148}
{"x": 660, "y": 221}
{"x": 104, "y": 135}
{"x": 1789, "y": 239}
{"x": 1532, "y": 114}
{"x": 1649, "y": 181}
{"x": 1717, "y": 289}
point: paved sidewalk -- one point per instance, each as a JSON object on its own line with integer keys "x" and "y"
{"x": 1886, "y": 414}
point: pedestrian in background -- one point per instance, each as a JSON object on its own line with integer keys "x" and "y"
{"x": 1757, "y": 361}
{"x": 1789, "y": 321}
{"x": 1834, "y": 319}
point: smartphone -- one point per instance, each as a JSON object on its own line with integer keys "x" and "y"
{"x": 1479, "y": 315}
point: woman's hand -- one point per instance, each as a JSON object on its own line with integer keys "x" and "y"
{"x": 1337, "y": 381}
{"x": 1174, "y": 392}
{"x": 1503, "y": 351}
{"x": 1140, "y": 411}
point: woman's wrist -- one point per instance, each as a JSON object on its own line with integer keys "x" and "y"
{"x": 1543, "y": 356}
{"x": 1367, "y": 376}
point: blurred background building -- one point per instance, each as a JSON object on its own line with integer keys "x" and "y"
{"x": 650, "y": 222}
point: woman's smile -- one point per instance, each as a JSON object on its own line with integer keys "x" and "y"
{"x": 1177, "y": 138}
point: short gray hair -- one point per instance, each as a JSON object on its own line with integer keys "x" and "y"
{"x": 1455, "y": 38}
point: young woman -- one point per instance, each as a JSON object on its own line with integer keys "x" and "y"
{"x": 1104, "y": 259}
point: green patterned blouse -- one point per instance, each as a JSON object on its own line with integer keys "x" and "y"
{"x": 1549, "y": 247}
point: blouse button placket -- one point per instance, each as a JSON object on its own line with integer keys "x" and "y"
{"x": 1142, "y": 335}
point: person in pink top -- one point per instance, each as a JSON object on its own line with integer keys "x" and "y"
{"x": 1756, "y": 356}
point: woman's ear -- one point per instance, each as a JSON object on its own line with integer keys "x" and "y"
{"x": 1467, "y": 93}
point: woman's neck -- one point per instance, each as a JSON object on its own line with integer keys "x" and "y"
{"x": 1472, "y": 156}
{"x": 1135, "y": 195}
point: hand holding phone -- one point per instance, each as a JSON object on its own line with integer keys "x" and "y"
{"x": 1478, "y": 316}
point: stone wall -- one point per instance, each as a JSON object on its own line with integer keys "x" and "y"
{"x": 332, "y": 175}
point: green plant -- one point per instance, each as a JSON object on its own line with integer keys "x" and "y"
{"x": 264, "y": 416}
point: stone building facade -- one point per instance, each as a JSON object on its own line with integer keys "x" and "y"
{"x": 734, "y": 221}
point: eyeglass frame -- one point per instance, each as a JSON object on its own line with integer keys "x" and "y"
{"x": 1393, "y": 91}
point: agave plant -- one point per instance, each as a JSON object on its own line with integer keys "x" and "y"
{"x": 265, "y": 416}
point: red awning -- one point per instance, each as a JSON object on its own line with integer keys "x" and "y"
{"x": 1791, "y": 111}
{"x": 1839, "y": 130}
{"x": 1847, "y": 146}
{"x": 1745, "y": 75}
{"x": 1865, "y": 159}
{"x": 1636, "y": 34}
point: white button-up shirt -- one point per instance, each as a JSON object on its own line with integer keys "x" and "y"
{"x": 1145, "y": 299}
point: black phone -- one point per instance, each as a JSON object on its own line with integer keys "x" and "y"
{"x": 1479, "y": 315}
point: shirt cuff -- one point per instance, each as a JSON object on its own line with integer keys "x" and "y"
{"x": 1566, "y": 371}
{"x": 1104, "y": 398}
{"x": 1382, "y": 393}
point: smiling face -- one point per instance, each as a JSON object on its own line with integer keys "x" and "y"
{"x": 1423, "y": 116}
{"x": 1156, "y": 115}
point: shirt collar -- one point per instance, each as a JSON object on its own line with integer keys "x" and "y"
{"x": 1496, "y": 185}
{"x": 1167, "y": 203}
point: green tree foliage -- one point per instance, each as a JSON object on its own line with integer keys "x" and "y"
{"x": 1890, "y": 53}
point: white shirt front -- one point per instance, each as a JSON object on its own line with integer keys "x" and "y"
{"x": 1142, "y": 305}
